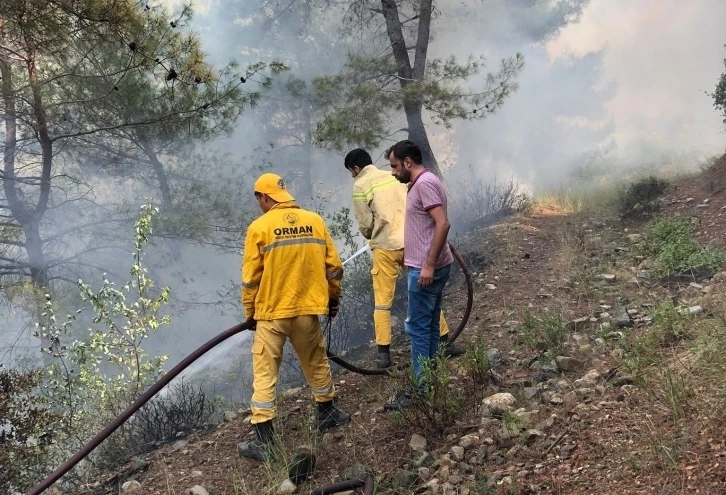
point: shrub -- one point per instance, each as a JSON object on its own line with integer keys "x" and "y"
{"x": 441, "y": 404}
{"x": 93, "y": 375}
{"x": 476, "y": 361}
{"x": 186, "y": 408}
{"x": 25, "y": 431}
{"x": 673, "y": 244}
{"x": 546, "y": 332}
{"x": 641, "y": 197}
{"x": 478, "y": 202}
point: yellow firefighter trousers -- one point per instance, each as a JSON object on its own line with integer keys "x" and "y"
{"x": 385, "y": 272}
{"x": 306, "y": 338}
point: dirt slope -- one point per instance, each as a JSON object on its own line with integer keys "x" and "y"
{"x": 612, "y": 419}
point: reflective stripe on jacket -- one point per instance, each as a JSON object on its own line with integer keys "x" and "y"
{"x": 290, "y": 265}
{"x": 379, "y": 206}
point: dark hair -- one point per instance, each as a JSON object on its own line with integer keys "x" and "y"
{"x": 407, "y": 149}
{"x": 357, "y": 158}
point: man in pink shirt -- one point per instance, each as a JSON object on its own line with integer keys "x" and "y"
{"x": 426, "y": 255}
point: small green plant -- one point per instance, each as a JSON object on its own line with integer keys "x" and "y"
{"x": 673, "y": 244}
{"x": 482, "y": 488}
{"x": 641, "y": 197}
{"x": 634, "y": 465}
{"x": 476, "y": 361}
{"x": 546, "y": 332}
{"x": 512, "y": 423}
{"x": 90, "y": 379}
{"x": 441, "y": 402}
{"x": 671, "y": 322}
{"x": 675, "y": 394}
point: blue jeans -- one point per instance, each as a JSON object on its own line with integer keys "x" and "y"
{"x": 422, "y": 321}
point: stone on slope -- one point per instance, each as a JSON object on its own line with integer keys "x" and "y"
{"x": 500, "y": 403}
{"x": 131, "y": 487}
{"x": 566, "y": 363}
{"x": 417, "y": 442}
{"x": 286, "y": 487}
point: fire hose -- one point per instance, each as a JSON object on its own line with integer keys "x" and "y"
{"x": 366, "y": 482}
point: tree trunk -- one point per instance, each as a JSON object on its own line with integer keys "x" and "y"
{"x": 158, "y": 170}
{"x": 417, "y": 134}
{"x": 27, "y": 219}
{"x": 411, "y": 75}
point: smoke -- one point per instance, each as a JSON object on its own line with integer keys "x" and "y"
{"x": 627, "y": 82}
{"x": 602, "y": 77}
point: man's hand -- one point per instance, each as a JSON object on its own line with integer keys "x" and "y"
{"x": 333, "y": 307}
{"x": 251, "y": 319}
{"x": 426, "y": 277}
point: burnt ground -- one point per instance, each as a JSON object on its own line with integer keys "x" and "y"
{"x": 620, "y": 421}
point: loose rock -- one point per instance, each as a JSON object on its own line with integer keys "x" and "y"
{"x": 131, "y": 487}
{"x": 286, "y": 487}
{"x": 457, "y": 453}
{"x": 500, "y": 403}
{"x": 229, "y": 416}
{"x": 565, "y": 363}
{"x": 417, "y": 442}
{"x": 197, "y": 490}
{"x": 424, "y": 473}
{"x": 494, "y": 356}
{"x": 530, "y": 392}
{"x": 621, "y": 318}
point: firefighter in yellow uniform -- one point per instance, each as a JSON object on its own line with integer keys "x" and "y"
{"x": 291, "y": 274}
{"x": 379, "y": 206}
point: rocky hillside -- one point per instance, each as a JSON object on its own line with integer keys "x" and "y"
{"x": 606, "y": 336}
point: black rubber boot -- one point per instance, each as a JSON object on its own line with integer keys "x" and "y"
{"x": 384, "y": 357}
{"x": 330, "y": 416}
{"x": 259, "y": 449}
{"x": 450, "y": 349}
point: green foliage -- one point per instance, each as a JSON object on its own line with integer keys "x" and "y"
{"x": 476, "y": 361}
{"x": 25, "y": 430}
{"x": 673, "y": 244}
{"x": 641, "y": 197}
{"x": 670, "y": 326}
{"x": 441, "y": 403}
{"x": 547, "y": 331}
{"x": 512, "y": 423}
{"x": 357, "y": 102}
{"x": 671, "y": 322}
{"x": 90, "y": 379}
{"x": 719, "y": 95}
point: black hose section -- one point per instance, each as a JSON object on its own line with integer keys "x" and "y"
{"x": 363, "y": 480}
{"x": 469, "y": 294}
{"x": 452, "y": 337}
{"x": 143, "y": 399}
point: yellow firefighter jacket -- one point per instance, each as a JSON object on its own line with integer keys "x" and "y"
{"x": 290, "y": 265}
{"x": 379, "y": 206}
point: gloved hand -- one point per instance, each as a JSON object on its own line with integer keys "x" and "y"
{"x": 254, "y": 322}
{"x": 333, "y": 307}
